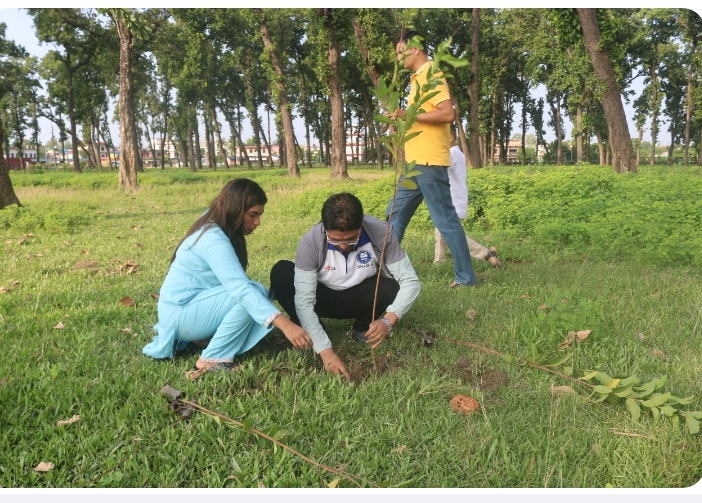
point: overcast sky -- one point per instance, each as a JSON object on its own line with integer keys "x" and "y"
{"x": 20, "y": 28}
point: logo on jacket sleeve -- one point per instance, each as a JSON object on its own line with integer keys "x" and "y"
{"x": 364, "y": 257}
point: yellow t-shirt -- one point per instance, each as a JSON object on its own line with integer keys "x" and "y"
{"x": 431, "y": 147}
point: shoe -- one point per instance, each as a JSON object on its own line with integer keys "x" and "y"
{"x": 456, "y": 285}
{"x": 358, "y": 336}
{"x": 492, "y": 254}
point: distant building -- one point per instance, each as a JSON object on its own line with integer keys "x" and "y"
{"x": 30, "y": 155}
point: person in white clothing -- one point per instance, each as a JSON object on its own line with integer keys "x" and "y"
{"x": 459, "y": 196}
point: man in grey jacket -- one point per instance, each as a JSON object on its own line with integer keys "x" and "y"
{"x": 335, "y": 273}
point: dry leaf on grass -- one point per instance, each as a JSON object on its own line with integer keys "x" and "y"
{"x": 24, "y": 238}
{"x": 127, "y": 302}
{"x": 568, "y": 340}
{"x": 582, "y": 334}
{"x": 128, "y": 331}
{"x": 464, "y": 404}
{"x": 138, "y": 245}
{"x": 543, "y": 307}
{"x": 68, "y": 243}
{"x": 658, "y": 353}
{"x": 59, "y": 325}
{"x": 563, "y": 389}
{"x": 84, "y": 252}
{"x": 43, "y": 467}
{"x": 63, "y": 422}
{"x": 12, "y": 285}
{"x": 155, "y": 296}
{"x": 128, "y": 267}
{"x": 471, "y": 314}
{"x": 2, "y": 380}
{"x": 525, "y": 296}
{"x": 641, "y": 336}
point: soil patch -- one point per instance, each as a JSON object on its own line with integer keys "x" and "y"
{"x": 486, "y": 379}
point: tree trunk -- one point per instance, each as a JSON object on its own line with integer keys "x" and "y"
{"x": 130, "y": 158}
{"x": 218, "y": 132}
{"x": 196, "y": 140}
{"x": 476, "y": 160}
{"x": 7, "y": 192}
{"x": 72, "y": 119}
{"x": 654, "y": 115}
{"x": 623, "y": 158}
{"x": 282, "y": 102}
{"x": 688, "y": 116}
{"x": 579, "y": 135}
{"x": 338, "y": 144}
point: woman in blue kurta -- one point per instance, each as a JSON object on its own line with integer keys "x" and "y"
{"x": 206, "y": 293}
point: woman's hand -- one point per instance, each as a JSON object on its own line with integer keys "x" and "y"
{"x": 333, "y": 364}
{"x": 293, "y": 332}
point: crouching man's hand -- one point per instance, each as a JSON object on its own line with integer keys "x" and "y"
{"x": 333, "y": 364}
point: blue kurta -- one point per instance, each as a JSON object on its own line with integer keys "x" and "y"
{"x": 210, "y": 264}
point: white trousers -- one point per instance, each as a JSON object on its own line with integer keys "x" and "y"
{"x": 476, "y": 249}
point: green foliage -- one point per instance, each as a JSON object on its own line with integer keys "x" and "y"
{"x": 654, "y": 216}
{"x": 52, "y": 216}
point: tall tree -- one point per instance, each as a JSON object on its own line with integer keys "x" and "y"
{"x": 623, "y": 157}
{"x": 280, "y": 93}
{"x": 330, "y": 18}
{"x": 10, "y": 72}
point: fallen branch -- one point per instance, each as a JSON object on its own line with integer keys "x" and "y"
{"x": 175, "y": 396}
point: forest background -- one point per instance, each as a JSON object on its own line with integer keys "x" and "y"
{"x": 192, "y": 71}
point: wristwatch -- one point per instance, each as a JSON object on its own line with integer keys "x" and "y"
{"x": 388, "y": 324}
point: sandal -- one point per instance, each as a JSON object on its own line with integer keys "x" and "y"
{"x": 492, "y": 253}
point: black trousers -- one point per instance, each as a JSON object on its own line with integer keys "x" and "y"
{"x": 353, "y": 303}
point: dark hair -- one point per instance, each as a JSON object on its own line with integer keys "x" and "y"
{"x": 406, "y": 36}
{"x": 227, "y": 212}
{"x": 342, "y": 212}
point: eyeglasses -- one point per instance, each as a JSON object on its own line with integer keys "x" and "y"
{"x": 348, "y": 242}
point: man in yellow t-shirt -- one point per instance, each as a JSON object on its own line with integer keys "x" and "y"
{"x": 430, "y": 150}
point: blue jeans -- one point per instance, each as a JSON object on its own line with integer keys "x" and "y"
{"x": 434, "y": 188}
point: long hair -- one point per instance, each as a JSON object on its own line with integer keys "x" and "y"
{"x": 227, "y": 212}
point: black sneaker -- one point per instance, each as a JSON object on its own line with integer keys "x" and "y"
{"x": 358, "y": 336}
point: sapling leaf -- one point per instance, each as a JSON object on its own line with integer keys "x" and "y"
{"x": 697, "y": 414}
{"x": 589, "y": 376}
{"x": 623, "y": 391}
{"x": 655, "y": 411}
{"x": 660, "y": 382}
{"x": 681, "y": 401}
{"x": 601, "y": 398}
{"x": 634, "y": 409}
{"x": 568, "y": 371}
{"x": 656, "y": 400}
{"x": 409, "y": 184}
{"x": 645, "y": 390}
{"x": 509, "y": 358}
{"x": 603, "y": 389}
{"x": 384, "y": 118}
{"x": 603, "y": 378}
{"x": 668, "y": 411}
{"x": 629, "y": 380}
{"x": 334, "y": 483}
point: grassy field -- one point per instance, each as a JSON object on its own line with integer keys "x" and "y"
{"x": 71, "y": 346}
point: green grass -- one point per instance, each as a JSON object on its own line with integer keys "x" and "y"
{"x": 392, "y": 427}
